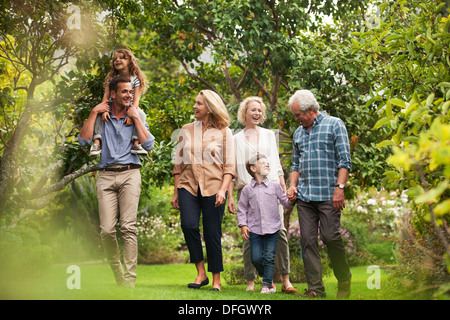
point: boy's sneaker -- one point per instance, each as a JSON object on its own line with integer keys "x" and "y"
{"x": 273, "y": 289}
{"x": 265, "y": 290}
{"x": 95, "y": 150}
{"x": 137, "y": 149}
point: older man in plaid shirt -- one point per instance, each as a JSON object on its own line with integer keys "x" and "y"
{"x": 320, "y": 167}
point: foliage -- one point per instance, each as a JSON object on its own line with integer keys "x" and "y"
{"x": 159, "y": 240}
{"x": 422, "y": 271}
{"x": 69, "y": 224}
{"x": 416, "y": 114}
{"x": 244, "y": 39}
{"x": 234, "y": 274}
{"x": 410, "y": 41}
{"x": 36, "y": 44}
{"x": 373, "y": 218}
{"x": 22, "y": 255}
{"x": 268, "y": 58}
{"x": 159, "y": 231}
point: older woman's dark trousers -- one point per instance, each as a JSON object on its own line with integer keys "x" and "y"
{"x": 191, "y": 207}
{"x": 314, "y": 216}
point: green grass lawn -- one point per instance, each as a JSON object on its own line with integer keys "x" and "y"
{"x": 164, "y": 282}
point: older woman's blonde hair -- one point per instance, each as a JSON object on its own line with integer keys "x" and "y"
{"x": 244, "y": 106}
{"x": 216, "y": 107}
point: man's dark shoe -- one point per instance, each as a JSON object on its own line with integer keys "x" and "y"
{"x": 310, "y": 294}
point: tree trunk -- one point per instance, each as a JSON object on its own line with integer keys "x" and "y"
{"x": 8, "y": 162}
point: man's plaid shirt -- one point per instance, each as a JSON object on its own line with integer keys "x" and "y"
{"x": 318, "y": 155}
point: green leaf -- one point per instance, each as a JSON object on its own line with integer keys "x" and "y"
{"x": 384, "y": 144}
{"x": 442, "y": 208}
{"x": 444, "y": 84}
{"x": 398, "y": 102}
{"x": 445, "y": 107}
{"x": 433, "y": 195}
{"x": 417, "y": 114}
{"x": 355, "y": 43}
{"x": 430, "y": 99}
{"x": 389, "y": 109}
{"x": 381, "y": 122}
{"x": 394, "y": 37}
{"x": 391, "y": 173}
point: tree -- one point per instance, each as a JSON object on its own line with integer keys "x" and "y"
{"x": 270, "y": 49}
{"x": 253, "y": 44}
{"x": 37, "y": 40}
{"x": 410, "y": 43}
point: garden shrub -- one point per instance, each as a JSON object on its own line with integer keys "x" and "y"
{"x": 22, "y": 254}
{"x": 422, "y": 271}
{"x": 159, "y": 241}
{"x": 234, "y": 274}
{"x": 372, "y": 220}
{"x": 382, "y": 251}
{"x": 297, "y": 274}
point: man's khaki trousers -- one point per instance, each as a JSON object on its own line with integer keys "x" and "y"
{"x": 118, "y": 198}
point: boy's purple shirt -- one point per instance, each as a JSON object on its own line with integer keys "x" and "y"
{"x": 258, "y": 206}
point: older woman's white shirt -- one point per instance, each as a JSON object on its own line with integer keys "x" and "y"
{"x": 244, "y": 150}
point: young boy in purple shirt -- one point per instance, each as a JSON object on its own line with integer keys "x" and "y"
{"x": 259, "y": 219}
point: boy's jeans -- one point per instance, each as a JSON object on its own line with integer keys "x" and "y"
{"x": 262, "y": 250}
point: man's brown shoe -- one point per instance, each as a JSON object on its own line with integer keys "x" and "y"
{"x": 344, "y": 289}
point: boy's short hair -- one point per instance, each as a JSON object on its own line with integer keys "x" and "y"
{"x": 253, "y": 160}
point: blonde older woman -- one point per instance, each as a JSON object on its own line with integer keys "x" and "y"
{"x": 204, "y": 167}
{"x": 251, "y": 140}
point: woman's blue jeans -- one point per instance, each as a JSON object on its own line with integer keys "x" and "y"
{"x": 262, "y": 251}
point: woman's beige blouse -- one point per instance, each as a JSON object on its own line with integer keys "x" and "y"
{"x": 202, "y": 159}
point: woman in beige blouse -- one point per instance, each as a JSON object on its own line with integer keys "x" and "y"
{"x": 204, "y": 167}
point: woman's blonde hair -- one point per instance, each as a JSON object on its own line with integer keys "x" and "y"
{"x": 244, "y": 106}
{"x": 133, "y": 68}
{"x": 216, "y": 107}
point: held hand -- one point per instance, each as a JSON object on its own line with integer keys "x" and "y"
{"x": 244, "y": 232}
{"x": 292, "y": 193}
{"x": 220, "y": 198}
{"x": 338, "y": 199}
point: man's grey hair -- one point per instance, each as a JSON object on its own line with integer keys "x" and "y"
{"x": 305, "y": 100}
